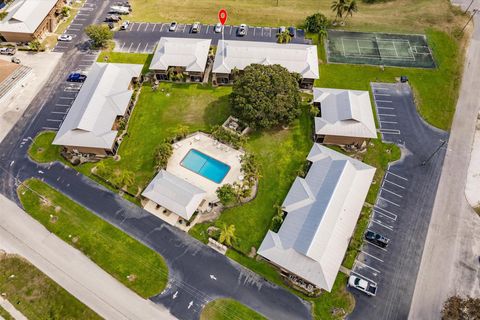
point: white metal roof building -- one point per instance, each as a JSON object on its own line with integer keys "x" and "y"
{"x": 174, "y": 194}
{"x": 181, "y": 52}
{"x": 322, "y": 211}
{"x": 25, "y": 16}
{"x": 300, "y": 58}
{"x": 105, "y": 95}
{"x": 344, "y": 113}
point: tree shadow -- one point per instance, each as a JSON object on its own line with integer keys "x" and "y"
{"x": 217, "y": 111}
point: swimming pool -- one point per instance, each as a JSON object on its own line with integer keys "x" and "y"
{"x": 205, "y": 166}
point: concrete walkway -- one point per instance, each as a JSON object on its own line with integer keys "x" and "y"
{"x": 17, "y": 315}
{"x": 21, "y": 234}
{"x": 472, "y": 189}
{"x": 450, "y": 259}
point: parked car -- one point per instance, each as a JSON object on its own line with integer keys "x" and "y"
{"x": 196, "y": 27}
{"x": 242, "y": 30}
{"x": 282, "y": 29}
{"x": 218, "y": 28}
{"x": 65, "y": 37}
{"x": 376, "y": 238}
{"x": 111, "y": 25}
{"x": 363, "y": 285}
{"x": 113, "y": 18}
{"x": 292, "y": 31}
{"x": 173, "y": 26}
{"x": 124, "y": 4}
{"x": 119, "y": 10}
{"x": 16, "y": 60}
{"x": 125, "y": 25}
{"x": 9, "y": 51}
{"x": 76, "y": 77}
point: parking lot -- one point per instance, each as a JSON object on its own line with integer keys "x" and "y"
{"x": 403, "y": 206}
{"x": 142, "y": 37}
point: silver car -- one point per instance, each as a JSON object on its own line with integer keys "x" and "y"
{"x": 196, "y": 27}
{"x": 173, "y": 26}
{"x": 242, "y": 30}
{"x": 218, "y": 28}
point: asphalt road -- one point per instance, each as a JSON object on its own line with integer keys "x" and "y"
{"x": 403, "y": 207}
{"x": 141, "y": 37}
{"x": 191, "y": 263}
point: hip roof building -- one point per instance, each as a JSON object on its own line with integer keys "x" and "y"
{"x": 345, "y": 116}
{"x": 104, "y": 98}
{"x": 299, "y": 58}
{"x": 30, "y": 19}
{"x": 322, "y": 211}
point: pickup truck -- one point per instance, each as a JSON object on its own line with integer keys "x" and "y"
{"x": 119, "y": 10}
{"x": 10, "y": 51}
{"x": 363, "y": 285}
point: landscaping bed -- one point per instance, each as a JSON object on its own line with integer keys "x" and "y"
{"x": 129, "y": 261}
{"x": 35, "y": 295}
{"x": 225, "y": 309}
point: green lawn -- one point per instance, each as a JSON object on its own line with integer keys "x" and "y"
{"x": 156, "y": 116}
{"x": 226, "y": 309}
{"x": 436, "y": 90}
{"x": 35, "y": 295}
{"x": 41, "y": 150}
{"x": 399, "y": 15}
{"x": 129, "y": 261}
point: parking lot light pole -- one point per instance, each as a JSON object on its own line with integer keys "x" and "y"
{"x": 434, "y": 152}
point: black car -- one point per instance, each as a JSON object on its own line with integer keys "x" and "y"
{"x": 376, "y": 239}
{"x": 292, "y": 31}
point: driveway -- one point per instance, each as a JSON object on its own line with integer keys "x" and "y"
{"x": 142, "y": 37}
{"x": 21, "y": 234}
{"x": 403, "y": 206}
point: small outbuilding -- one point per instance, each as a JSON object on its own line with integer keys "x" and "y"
{"x": 185, "y": 56}
{"x": 345, "y": 117}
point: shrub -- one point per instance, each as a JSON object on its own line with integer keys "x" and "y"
{"x": 226, "y": 136}
{"x": 316, "y": 22}
{"x": 227, "y": 194}
{"x": 162, "y": 154}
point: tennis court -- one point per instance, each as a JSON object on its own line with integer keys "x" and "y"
{"x": 398, "y": 50}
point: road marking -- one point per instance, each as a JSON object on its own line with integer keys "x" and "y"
{"x": 395, "y": 204}
{"x": 382, "y": 225}
{"x": 231, "y": 29}
{"x": 49, "y": 128}
{"x": 139, "y": 25}
{"x": 390, "y": 122}
{"x": 190, "y": 304}
{"x": 207, "y": 29}
{"x": 395, "y": 184}
{"x": 380, "y": 88}
{"x": 85, "y": 65}
{"x": 370, "y": 255}
{"x": 76, "y": 24}
{"x": 386, "y": 108}
{"x": 138, "y": 47}
{"x": 387, "y": 115}
{"x": 367, "y": 266}
{"x": 58, "y": 112}
{"x": 386, "y": 101}
{"x": 396, "y": 175}
{"x": 72, "y": 29}
{"x": 213, "y": 277}
{"x": 389, "y": 131}
{"x": 373, "y": 244}
{"x": 385, "y": 210}
{"x": 396, "y": 194}
{"x": 63, "y": 105}
{"x": 54, "y": 120}
{"x": 154, "y": 26}
{"x": 383, "y": 214}
{"x": 175, "y": 294}
{"x": 145, "y": 49}
{"x": 382, "y": 94}
{"x": 363, "y": 277}
{"x": 146, "y": 26}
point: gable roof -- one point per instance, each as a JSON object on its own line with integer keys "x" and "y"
{"x": 104, "y": 96}
{"x": 25, "y": 16}
{"x": 175, "y": 194}
{"x": 300, "y": 58}
{"x": 344, "y": 113}
{"x": 322, "y": 211}
{"x": 181, "y": 52}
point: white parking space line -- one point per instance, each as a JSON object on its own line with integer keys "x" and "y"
{"x": 58, "y": 112}
{"x": 382, "y": 94}
{"x": 386, "y": 108}
{"x": 145, "y": 49}
{"x": 387, "y": 115}
{"x": 367, "y": 266}
{"x": 385, "y": 212}
{"x": 395, "y": 184}
{"x": 154, "y": 26}
{"x": 121, "y": 47}
{"x": 384, "y": 215}
{"x": 207, "y": 29}
{"x": 380, "y": 88}
{"x": 62, "y": 105}
{"x": 130, "y": 48}
{"x": 363, "y": 277}
{"x": 146, "y": 26}
{"x": 391, "y": 192}
{"x": 381, "y": 224}
{"x": 139, "y": 25}
{"x": 138, "y": 47}
{"x": 386, "y": 101}
{"x": 49, "y": 128}
{"x": 67, "y": 98}
{"x": 72, "y": 29}
{"x": 389, "y": 201}
{"x": 54, "y": 120}
{"x": 396, "y": 175}
{"x": 389, "y": 131}
{"x": 370, "y": 255}
{"x": 373, "y": 244}
{"x": 231, "y": 28}
{"x": 389, "y": 122}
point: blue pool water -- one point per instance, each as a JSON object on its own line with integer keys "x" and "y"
{"x": 205, "y": 166}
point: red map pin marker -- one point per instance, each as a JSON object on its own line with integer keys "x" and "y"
{"x": 222, "y": 16}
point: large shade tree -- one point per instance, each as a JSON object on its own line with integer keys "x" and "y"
{"x": 99, "y": 34}
{"x": 266, "y": 96}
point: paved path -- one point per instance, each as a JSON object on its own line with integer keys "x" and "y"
{"x": 21, "y": 234}
{"x": 450, "y": 262}
{"x": 17, "y": 315}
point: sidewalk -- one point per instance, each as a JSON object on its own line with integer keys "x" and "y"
{"x": 21, "y": 234}
{"x": 17, "y": 315}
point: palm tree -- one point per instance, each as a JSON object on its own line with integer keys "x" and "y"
{"x": 125, "y": 178}
{"x": 227, "y": 234}
{"x": 322, "y": 34}
{"x": 284, "y": 37}
{"x": 350, "y": 8}
{"x": 339, "y": 7}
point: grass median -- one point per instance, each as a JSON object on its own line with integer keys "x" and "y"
{"x": 226, "y": 309}
{"x": 35, "y": 295}
{"x": 129, "y": 261}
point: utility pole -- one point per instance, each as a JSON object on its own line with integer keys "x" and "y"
{"x": 471, "y": 17}
{"x": 434, "y": 152}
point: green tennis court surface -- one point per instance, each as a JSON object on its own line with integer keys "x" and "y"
{"x": 398, "y": 50}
